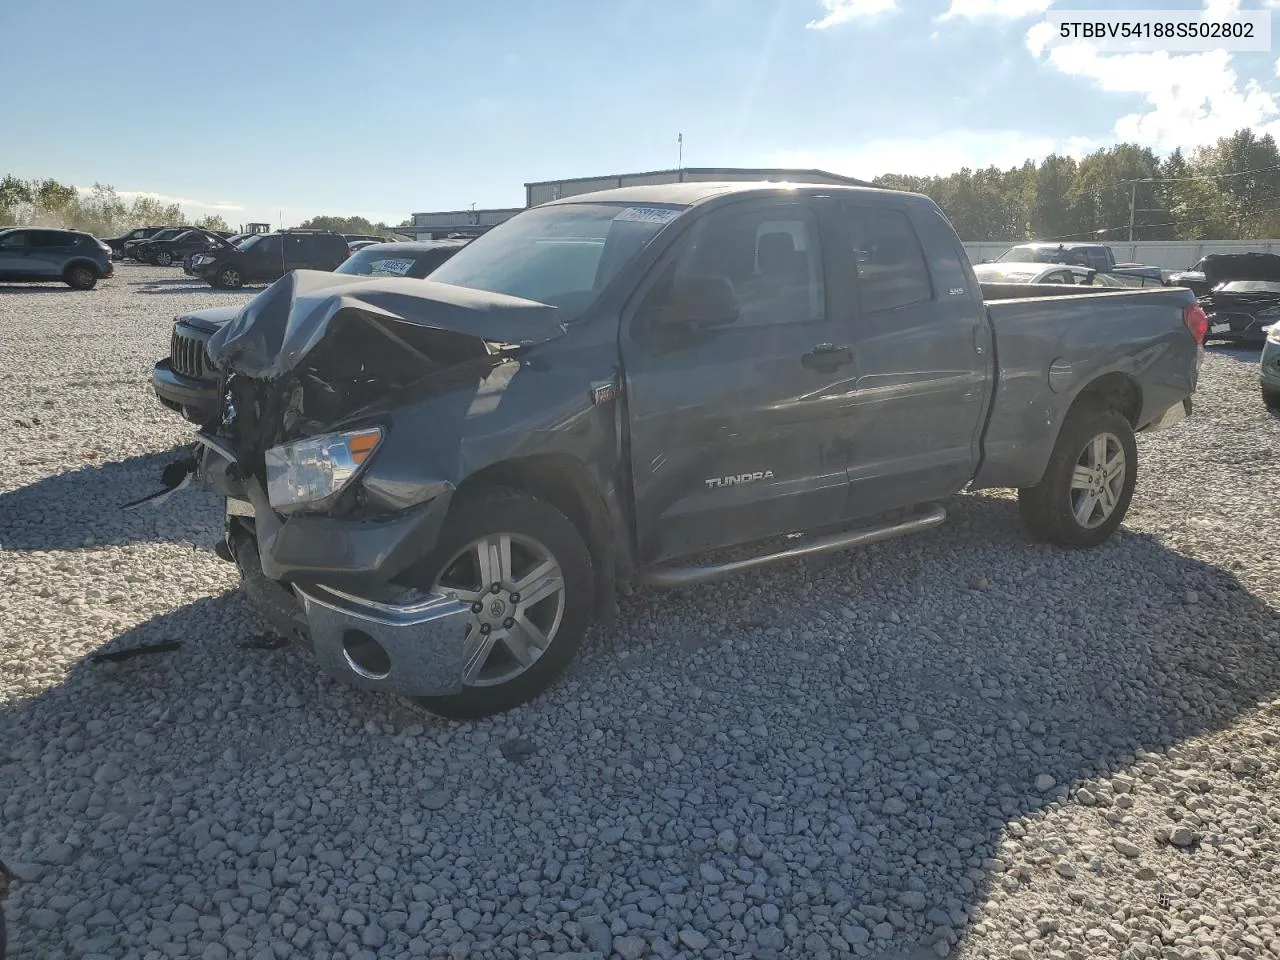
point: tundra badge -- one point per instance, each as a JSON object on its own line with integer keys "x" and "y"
{"x": 717, "y": 482}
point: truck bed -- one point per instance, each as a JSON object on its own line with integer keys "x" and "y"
{"x": 1137, "y": 339}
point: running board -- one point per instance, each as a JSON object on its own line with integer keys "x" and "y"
{"x": 685, "y": 576}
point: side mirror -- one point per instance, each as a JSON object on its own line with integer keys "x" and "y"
{"x": 700, "y": 302}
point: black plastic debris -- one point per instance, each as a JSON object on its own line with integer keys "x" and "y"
{"x": 116, "y": 656}
{"x": 263, "y": 641}
{"x": 518, "y": 750}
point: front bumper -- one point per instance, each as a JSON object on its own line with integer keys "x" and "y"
{"x": 197, "y": 400}
{"x": 412, "y": 648}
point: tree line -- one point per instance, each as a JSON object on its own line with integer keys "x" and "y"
{"x": 1228, "y": 190}
{"x": 102, "y": 212}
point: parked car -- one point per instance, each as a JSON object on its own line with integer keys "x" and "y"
{"x": 437, "y": 483}
{"x": 1096, "y": 255}
{"x": 188, "y": 262}
{"x": 1269, "y": 368}
{"x": 34, "y": 255}
{"x": 162, "y": 253}
{"x": 132, "y": 248}
{"x": 1033, "y": 273}
{"x": 117, "y": 244}
{"x": 265, "y": 257}
{"x": 186, "y": 381}
{"x": 1243, "y": 298}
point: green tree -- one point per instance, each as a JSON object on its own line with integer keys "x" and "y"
{"x": 213, "y": 222}
{"x": 347, "y": 225}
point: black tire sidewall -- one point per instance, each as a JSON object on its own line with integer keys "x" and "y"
{"x": 163, "y": 259}
{"x": 1046, "y": 508}
{"x": 496, "y": 510}
{"x": 223, "y": 280}
{"x": 1271, "y": 398}
{"x": 80, "y": 277}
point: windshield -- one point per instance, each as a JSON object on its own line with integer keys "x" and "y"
{"x": 1023, "y": 253}
{"x": 372, "y": 262}
{"x": 1250, "y": 286}
{"x": 563, "y": 254}
{"x": 252, "y": 241}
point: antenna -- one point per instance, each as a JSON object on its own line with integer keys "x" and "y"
{"x": 680, "y": 145}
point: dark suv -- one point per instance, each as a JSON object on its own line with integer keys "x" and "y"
{"x": 141, "y": 233}
{"x": 269, "y": 256}
{"x": 36, "y": 255}
{"x": 162, "y": 253}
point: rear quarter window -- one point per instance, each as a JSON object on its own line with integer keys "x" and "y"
{"x": 947, "y": 260}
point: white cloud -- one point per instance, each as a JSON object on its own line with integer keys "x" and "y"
{"x": 1004, "y": 9}
{"x": 1191, "y": 98}
{"x": 226, "y": 205}
{"x": 940, "y": 154}
{"x": 842, "y": 11}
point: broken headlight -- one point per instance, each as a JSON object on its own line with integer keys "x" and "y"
{"x": 307, "y": 472}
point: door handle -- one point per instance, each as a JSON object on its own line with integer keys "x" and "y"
{"x": 827, "y": 358}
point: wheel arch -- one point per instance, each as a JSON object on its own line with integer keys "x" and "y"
{"x": 566, "y": 484}
{"x": 80, "y": 262}
{"x": 1116, "y": 391}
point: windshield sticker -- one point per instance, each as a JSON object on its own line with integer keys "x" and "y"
{"x": 397, "y": 268}
{"x": 647, "y": 215}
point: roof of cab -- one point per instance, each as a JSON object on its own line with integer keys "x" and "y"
{"x": 693, "y": 193}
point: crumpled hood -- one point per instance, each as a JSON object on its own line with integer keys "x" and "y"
{"x": 1221, "y": 267}
{"x": 210, "y": 319}
{"x": 275, "y": 330}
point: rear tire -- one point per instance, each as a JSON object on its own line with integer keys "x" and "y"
{"x": 539, "y": 539}
{"x": 229, "y": 278}
{"x": 1271, "y": 398}
{"x": 1089, "y": 482}
{"x": 80, "y": 277}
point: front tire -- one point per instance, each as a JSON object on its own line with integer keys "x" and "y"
{"x": 229, "y": 278}
{"x": 523, "y": 634}
{"x": 164, "y": 258}
{"x": 1271, "y": 397}
{"x": 80, "y": 277}
{"x": 1089, "y": 482}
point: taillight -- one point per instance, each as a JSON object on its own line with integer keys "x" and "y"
{"x": 1196, "y": 321}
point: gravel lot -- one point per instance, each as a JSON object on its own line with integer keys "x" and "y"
{"x": 960, "y": 744}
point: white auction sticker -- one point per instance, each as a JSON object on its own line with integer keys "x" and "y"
{"x": 648, "y": 215}
{"x": 1176, "y": 31}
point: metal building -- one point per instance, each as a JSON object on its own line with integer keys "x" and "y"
{"x": 547, "y": 190}
{"x": 468, "y": 223}
{"x": 429, "y": 226}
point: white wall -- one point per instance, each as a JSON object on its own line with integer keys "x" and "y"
{"x": 1169, "y": 254}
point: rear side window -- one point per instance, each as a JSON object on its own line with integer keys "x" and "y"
{"x": 17, "y": 240}
{"x": 48, "y": 239}
{"x": 890, "y": 264}
{"x": 944, "y": 253}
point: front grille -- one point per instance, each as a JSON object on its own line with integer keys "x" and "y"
{"x": 187, "y": 355}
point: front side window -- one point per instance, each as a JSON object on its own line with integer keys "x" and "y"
{"x": 890, "y": 264}
{"x": 562, "y": 255}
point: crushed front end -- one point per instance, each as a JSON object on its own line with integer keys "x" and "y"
{"x": 328, "y": 504}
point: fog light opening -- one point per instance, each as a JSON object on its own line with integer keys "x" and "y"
{"x": 365, "y": 655}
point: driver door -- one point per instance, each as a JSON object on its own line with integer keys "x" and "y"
{"x": 736, "y": 397}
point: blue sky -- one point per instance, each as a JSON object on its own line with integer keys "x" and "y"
{"x": 263, "y": 110}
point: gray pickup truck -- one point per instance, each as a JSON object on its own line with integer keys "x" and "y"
{"x": 437, "y": 485}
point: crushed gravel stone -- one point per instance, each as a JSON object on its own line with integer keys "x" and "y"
{"x": 961, "y": 744}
